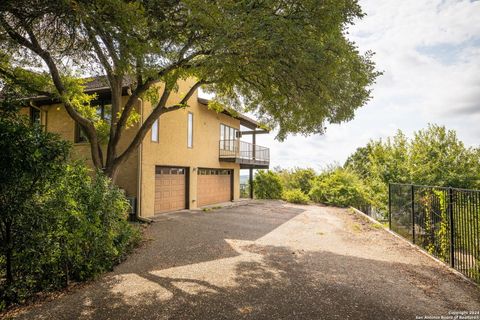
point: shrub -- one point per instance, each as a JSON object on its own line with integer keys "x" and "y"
{"x": 295, "y": 196}
{"x": 298, "y": 179}
{"x": 30, "y": 162}
{"x": 267, "y": 185}
{"x": 339, "y": 187}
{"x": 92, "y": 222}
{"x": 61, "y": 221}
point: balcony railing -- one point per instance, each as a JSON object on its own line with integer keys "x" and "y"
{"x": 244, "y": 152}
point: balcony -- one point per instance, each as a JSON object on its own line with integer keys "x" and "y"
{"x": 248, "y": 155}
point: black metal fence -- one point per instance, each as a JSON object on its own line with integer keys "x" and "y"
{"x": 443, "y": 221}
{"x": 372, "y": 211}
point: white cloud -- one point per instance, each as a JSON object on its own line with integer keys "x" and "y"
{"x": 430, "y": 54}
{"x": 429, "y": 51}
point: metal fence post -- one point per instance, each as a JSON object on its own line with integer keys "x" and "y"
{"x": 389, "y": 206}
{"x": 452, "y": 229}
{"x": 413, "y": 213}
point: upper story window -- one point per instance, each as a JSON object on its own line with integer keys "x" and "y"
{"x": 155, "y": 131}
{"x": 104, "y": 110}
{"x": 35, "y": 116}
{"x": 228, "y": 135}
{"x": 190, "y": 130}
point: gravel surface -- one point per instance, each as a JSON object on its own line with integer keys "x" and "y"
{"x": 267, "y": 260}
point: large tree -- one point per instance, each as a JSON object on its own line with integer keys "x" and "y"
{"x": 289, "y": 62}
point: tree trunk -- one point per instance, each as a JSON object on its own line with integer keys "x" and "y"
{"x": 112, "y": 171}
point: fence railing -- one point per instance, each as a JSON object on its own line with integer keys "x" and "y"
{"x": 371, "y": 211}
{"x": 243, "y": 150}
{"x": 443, "y": 221}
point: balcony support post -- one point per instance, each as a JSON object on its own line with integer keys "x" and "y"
{"x": 250, "y": 181}
{"x": 254, "y": 142}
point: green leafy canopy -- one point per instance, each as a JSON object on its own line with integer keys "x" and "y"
{"x": 290, "y": 62}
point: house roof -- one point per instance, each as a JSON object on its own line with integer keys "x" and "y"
{"x": 97, "y": 84}
{"x": 100, "y": 85}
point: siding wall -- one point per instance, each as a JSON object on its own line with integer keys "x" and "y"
{"x": 171, "y": 149}
{"x": 56, "y": 119}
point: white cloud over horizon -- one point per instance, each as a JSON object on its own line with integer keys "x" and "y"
{"x": 429, "y": 52}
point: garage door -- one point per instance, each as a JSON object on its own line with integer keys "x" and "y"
{"x": 169, "y": 189}
{"x": 214, "y": 186}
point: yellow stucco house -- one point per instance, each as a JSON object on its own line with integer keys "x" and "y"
{"x": 191, "y": 158}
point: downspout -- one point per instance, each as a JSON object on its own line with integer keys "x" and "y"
{"x": 139, "y": 167}
{"x": 139, "y": 174}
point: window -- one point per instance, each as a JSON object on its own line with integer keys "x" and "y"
{"x": 212, "y": 172}
{"x": 228, "y": 135}
{"x": 190, "y": 130}
{"x": 222, "y": 136}
{"x": 155, "y": 131}
{"x": 35, "y": 116}
{"x": 79, "y": 134}
{"x": 104, "y": 111}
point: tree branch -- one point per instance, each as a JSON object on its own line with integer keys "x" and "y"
{"x": 154, "y": 115}
{"x": 98, "y": 50}
{"x": 187, "y": 97}
{"x": 108, "y": 42}
{"x": 142, "y": 131}
{"x": 24, "y": 84}
{"x": 35, "y": 47}
{"x": 142, "y": 88}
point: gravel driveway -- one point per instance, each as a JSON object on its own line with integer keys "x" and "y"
{"x": 267, "y": 260}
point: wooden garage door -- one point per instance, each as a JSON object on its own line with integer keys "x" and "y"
{"x": 169, "y": 189}
{"x": 213, "y": 186}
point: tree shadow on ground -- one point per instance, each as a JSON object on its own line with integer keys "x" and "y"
{"x": 285, "y": 284}
{"x": 184, "y": 238}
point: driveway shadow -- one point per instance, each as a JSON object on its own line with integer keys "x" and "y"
{"x": 184, "y": 238}
{"x": 285, "y": 285}
{"x": 189, "y": 271}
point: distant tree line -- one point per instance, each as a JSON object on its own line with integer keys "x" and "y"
{"x": 433, "y": 156}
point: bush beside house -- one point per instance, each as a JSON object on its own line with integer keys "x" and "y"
{"x": 59, "y": 221}
{"x": 267, "y": 185}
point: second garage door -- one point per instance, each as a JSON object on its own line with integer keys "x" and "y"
{"x": 170, "y": 186}
{"x": 214, "y": 186}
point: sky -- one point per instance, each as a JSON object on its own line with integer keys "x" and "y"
{"x": 429, "y": 52}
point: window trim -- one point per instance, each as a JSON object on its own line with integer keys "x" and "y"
{"x": 189, "y": 130}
